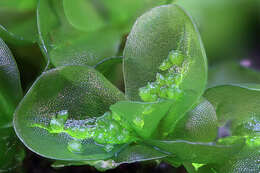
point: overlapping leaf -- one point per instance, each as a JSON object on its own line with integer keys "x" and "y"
{"x": 112, "y": 69}
{"x": 153, "y": 36}
{"x": 11, "y": 152}
{"x": 90, "y": 15}
{"x": 143, "y": 117}
{"x": 237, "y": 109}
{"x": 10, "y": 86}
{"x": 80, "y": 90}
{"x": 64, "y": 45}
{"x": 239, "y": 105}
{"x": 199, "y": 125}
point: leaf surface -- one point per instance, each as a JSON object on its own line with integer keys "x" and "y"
{"x": 79, "y": 90}
{"x": 10, "y": 86}
{"x": 154, "y": 35}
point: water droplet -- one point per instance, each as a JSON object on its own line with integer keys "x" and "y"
{"x": 75, "y": 146}
{"x": 176, "y": 58}
{"x": 146, "y": 95}
{"x": 166, "y": 64}
{"x": 63, "y": 115}
{"x": 108, "y": 147}
{"x": 160, "y": 79}
{"x": 148, "y": 109}
{"x": 163, "y": 92}
{"x": 153, "y": 87}
{"x": 170, "y": 79}
{"x": 56, "y": 125}
{"x": 173, "y": 92}
{"x": 178, "y": 79}
{"x": 139, "y": 122}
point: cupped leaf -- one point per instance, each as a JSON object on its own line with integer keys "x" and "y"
{"x": 77, "y": 94}
{"x": 10, "y": 86}
{"x": 237, "y": 105}
{"x": 142, "y": 117}
{"x": 18, "y": 21}
{"x": 65, "y": 45}
{"x": 199, "y": 152}
{"x": 200, "y": 124}
{"x": 155, "y": 35}
{"x": 229, "y": 72}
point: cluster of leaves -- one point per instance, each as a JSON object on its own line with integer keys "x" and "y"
{"x": 206, "y": 130}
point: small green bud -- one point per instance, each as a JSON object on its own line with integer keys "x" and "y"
{"x": 75, "y": 146}
{"x": 160, "y": 79}
{"x": 173, "y": 92}
{"x": 63, "y": 115}
{"x": 146, "y": 95}
{"x": 56, "y": 124}
{"x": 139, "y": 122}
{"x": 166, "y": 64}
{"x": 163, "y": 92}
{"x": 153, "y": 87}
{"x": 169, "y": 79}
{"x": 176, "y": 58}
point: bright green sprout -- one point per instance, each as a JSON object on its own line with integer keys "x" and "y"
{"x": 167, "y": 84}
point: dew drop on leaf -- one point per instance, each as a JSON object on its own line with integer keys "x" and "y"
{"x": 56, "y": 124}
{"x": 139, "y": 122}
{"x": 75, "y": 146}
{"x": 63, "y": 115}
{"x": 108, "y": 147}
{"x": 176, "y": 58}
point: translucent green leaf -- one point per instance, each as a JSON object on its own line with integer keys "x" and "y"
{"x": 77, "y": 94}
{"x": 200, "y": 124}
{"x": 246, "y": 161}
{"x": 85, "y": 14}
{"x": 65, "y": 45}
{"x": 239, "y": 105}
{"x": 231, "y": 72}
{"x": 142, "y": 117}
{"x": 11, "y": 151}
{"x": 89, "y": 15}
{"x": 18, "y": 21}
{"x": 154, "y": 36}
{"x": 198, "y": 152}
{"x": 10, "y": 86}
